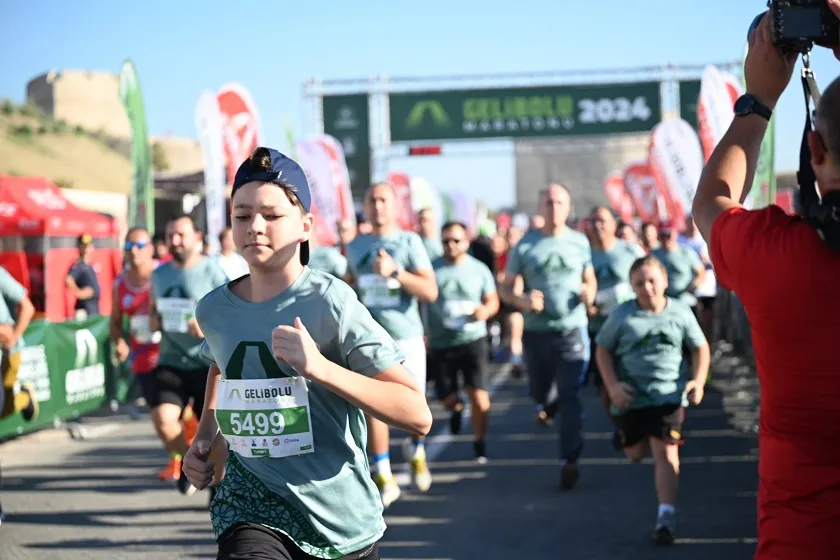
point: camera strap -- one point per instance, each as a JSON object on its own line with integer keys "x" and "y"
{"x": 811, "y": 209}
{"x": 805, "y": 176}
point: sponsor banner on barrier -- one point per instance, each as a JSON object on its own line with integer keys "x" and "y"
{"x": 69, "y": 365}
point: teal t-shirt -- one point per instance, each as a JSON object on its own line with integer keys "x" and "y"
{"x": 461, "y": 289}
{"x": 433, "y": 246}
{"x": 554, "y": 266}
{"x": 325, "y": 500}
{"x": 650, "y": 349}
{"x": 176, "y": 291}
{"x": 13, "y": 293}
{"x": 612, "y": 270}
{"x": 682, "y": 264}
{"x": 389, "y": 304}
{"x": 329, "y": 260}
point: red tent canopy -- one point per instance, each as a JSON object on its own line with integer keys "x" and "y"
{"x": 38, "y": 233}
{"x": 34, "y": 205}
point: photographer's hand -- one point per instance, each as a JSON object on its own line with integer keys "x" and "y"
{"x": 834, "y": 5}
{"x": 767, "y": 71}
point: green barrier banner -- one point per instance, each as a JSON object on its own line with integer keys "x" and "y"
{"x": 69, "y": 365}
{"x": 525, "y": 112}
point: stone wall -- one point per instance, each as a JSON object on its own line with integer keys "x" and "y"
{"x": 81, "y": 98}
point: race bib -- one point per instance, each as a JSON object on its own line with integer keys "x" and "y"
{"x": 265, "y": 417}
{"x": 175, "y": 313}
{"x": 608, "y": 299}
{"x": 456, "y": 314}
{"x": 140, "y": 330}
{"x": 376, "y": 291}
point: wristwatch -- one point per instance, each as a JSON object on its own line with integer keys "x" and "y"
{"x": 396, "y": 273}
{"x": 747, "y": 104}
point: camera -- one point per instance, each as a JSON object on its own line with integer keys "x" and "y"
{"x": 798, "y": 25}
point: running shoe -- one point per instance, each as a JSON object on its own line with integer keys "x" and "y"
{"x": 389, "y": 490}
{"x": 184, "y": 486}
{"x": 420, "y": 475}
{"x": 30, "y": 412}
{"x": 172, "y": 471}
{"x": 569, "y": 476}
{"x": 480, "y": 451}
{"x": 665, "y": 524}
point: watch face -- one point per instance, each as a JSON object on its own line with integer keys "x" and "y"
{"x": 744, "y": 105}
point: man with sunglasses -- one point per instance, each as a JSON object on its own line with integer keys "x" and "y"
{"x": 458, "y": 331}
{"x": 130, "y": 315}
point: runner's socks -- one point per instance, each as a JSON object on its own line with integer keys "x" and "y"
{"x": 419, "y": 449}
{"x": 382, "y": 463}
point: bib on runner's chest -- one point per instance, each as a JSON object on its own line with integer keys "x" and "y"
{"x": 262, "y": 418}
{"x": 608, "y": 299}
{"x": 175, "y": 313}
{"x": 376, "y": 291}
{"x": 456, "y": 314}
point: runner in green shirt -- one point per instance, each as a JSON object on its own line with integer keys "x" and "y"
{"x": 611, "y": 259}
{"x": 392, "y": 274}
{"x": 16, "y": 311}
{"x": 640, "y": 353}
{"x": 297, "y": 363}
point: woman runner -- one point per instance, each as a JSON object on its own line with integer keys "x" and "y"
{"x": 297, "y": 361}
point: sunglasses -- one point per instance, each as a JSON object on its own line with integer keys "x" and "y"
{"x": 449, "y": 240}
{"x": 129, "y": 245}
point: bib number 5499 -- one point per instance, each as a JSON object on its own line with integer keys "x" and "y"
{"x": 258, "y": 423}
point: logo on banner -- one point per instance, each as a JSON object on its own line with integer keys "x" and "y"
{"x": 346, "y": 119}
{"x": 434, "y": 109}
{"x": 240, "y": 135}
{"x": 86, "y": 380}
{"x": 46, "y": 198}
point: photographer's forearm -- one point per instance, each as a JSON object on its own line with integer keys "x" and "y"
{"x": 730, "y": 170}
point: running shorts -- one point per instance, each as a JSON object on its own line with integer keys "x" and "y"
{"x": 469, "y": 360}
{"x": 660, "y": 422}
{"x": 257, "y": 542}
{"x": 177, "y": 386}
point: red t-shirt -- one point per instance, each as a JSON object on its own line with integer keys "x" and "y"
{"x": 501, "y": 261}
{"x": 134, "y": 303}
{"x": 789, "y": 283}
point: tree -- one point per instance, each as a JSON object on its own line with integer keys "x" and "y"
{"x": 159, "y": 160}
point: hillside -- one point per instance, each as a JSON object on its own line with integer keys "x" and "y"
{"x": 33, "y": 144}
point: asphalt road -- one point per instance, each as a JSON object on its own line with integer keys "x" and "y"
{"x": 99, "y": 498}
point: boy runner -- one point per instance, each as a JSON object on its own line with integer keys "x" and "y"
{"x": 298, "y": 362}
{"x": 640, "y": 355}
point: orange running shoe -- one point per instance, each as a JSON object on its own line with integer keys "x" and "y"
{"x": 172, "y": 471}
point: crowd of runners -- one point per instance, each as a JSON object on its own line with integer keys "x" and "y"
{"x": 624, "y": 307}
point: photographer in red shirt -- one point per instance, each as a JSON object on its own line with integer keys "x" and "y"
{"x": 786, "y": 272}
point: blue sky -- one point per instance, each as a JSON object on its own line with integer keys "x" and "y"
{"x": 183, "y": 48}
